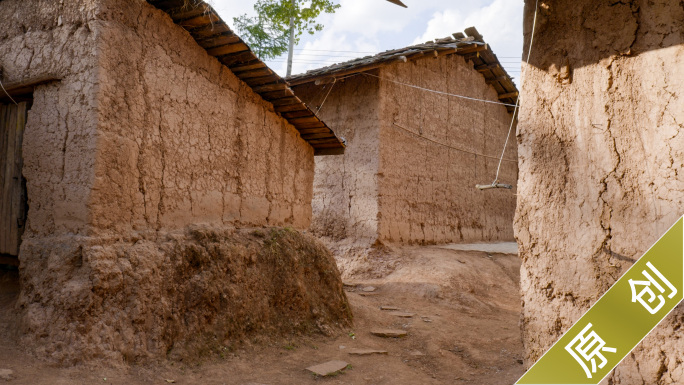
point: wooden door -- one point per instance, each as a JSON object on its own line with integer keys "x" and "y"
{"x": 13, "y": 203}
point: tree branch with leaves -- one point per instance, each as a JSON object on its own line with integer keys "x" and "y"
{"x": 279, "y": 25}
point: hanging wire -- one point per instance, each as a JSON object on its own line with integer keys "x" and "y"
{"x": 440, "y": 92}
{"x": 517, "y": 101}
{"x": 448, "y": 146}
{"x": 326, "y": 96}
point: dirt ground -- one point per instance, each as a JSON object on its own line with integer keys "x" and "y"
{"x": 464, "y": 330}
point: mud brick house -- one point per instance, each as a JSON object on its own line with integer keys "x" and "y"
{"x": 413, "y": 156}
{"x": 601, "y": 147}
{"x": 135, "y": 136}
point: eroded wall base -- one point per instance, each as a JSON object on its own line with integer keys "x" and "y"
{"x": 184, "y": 294}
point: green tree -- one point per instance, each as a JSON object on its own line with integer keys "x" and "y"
{"x": 279, "y": 24}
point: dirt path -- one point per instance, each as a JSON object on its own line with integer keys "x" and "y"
{"x": 464, "y": 330}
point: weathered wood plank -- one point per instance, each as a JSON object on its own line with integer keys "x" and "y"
{"x": 228, "y": 49}
{"x": 319, "y": 124}
{"x": 4, "y": 111}
{"x": 17, "y": 217}
{"x": 254, "y": 73}
{"x": 5, "y": 260}
{"x": 302, "y": 120}
{"x": 270, "y": 87}
{"x": 290, "y": 108}
{"x": 317, "y": 136}
{"x": 262, "y": 80}
{"x": 247, "y": 67}
{"x": 278, "y": 94}
{"x": 508, "y": 95}
{"x": 485, "y": 67}
{"x": 198, "y": 21}
{"x": 6, "y": 244}
{"x": 297, "y": 114}
{"x": 237, "y": 58}
{"x": 304, "y": 131}
{"x": 286, "y": 101}
{"x": 215, "y": 41}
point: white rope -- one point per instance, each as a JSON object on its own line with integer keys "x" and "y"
{"x": 440, "y": 92}
{"x": 449, "y": 147}
{"x": 517, "y": 101}
{"x": 8, "y": 95}
{"x": 326, "y": 96}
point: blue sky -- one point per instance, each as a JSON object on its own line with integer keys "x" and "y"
{"x": 364, "y": 27}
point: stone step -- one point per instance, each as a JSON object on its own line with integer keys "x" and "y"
{"x": 389, "y": 333}
{"x": 327, "y": 368}
{"x": 402, "y": 314}
{"x": 366, "y": 352}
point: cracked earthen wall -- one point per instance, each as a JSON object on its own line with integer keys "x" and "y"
{"x": 139, "y": 162}
{"x": 601, "y": 152}
{"x": 396, "y": 186}
{"x": 431, "y": 155}
{"x": 345, "y": 201}
{"x": 183, "y": 140}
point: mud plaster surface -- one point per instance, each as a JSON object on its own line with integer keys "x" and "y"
{"x": 345, "y": 203}
{"x": 392, "y": 185}
{"x": 183, "y": 295}
{"x": 601, "y": 149}
{"x": 144, "y": 135}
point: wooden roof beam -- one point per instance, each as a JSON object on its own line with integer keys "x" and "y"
{"x": 508, "y": 95}
{"x": 485, "y": 67}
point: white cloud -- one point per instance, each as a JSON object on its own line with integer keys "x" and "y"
{"x": 499, "y": 22}
{"x": 363, "y": 26}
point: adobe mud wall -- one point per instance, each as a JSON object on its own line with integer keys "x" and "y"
{"x": 345, "y": 201}
{"x": 37, "y": 39}
{"x": 601, "y": 147}
{"x": 183, "y": 140}
{"x": 427, "y": 176}
{"x": 144, "y": 138}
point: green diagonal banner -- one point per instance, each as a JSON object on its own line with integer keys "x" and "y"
{"x": 619, "y": 320}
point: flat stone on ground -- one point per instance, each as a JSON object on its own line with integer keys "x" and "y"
{"x": 389, "y": 333}
{"x": 402, "y": 314}
{"x": 6, "y": 374}
{"x": 327, "y": 368}
{"x": 369, "y": 289}
{"x": 389, "y": 308}
{"x": 366, "y": 352}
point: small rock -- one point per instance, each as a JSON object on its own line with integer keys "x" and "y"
{"x": 402, "y": 314}
{"x": 327, "y": 368}
{"x": 416, "y": 353}
{"x": 388, "y": 308}
{"x": 368, "y": 294}
{"x": 342, "y": 347}
{"x": 6, "y": 374}
{"x": 369, "y": 289}
{"x": 389, "y": 333}
{"x": 425, "y": 319}
{"x": 366, "y": 352}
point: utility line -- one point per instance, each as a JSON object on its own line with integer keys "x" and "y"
{"x": 450, "y": 147}
{"x": 517, "y": 101}
{"x": 442, "y": 93}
